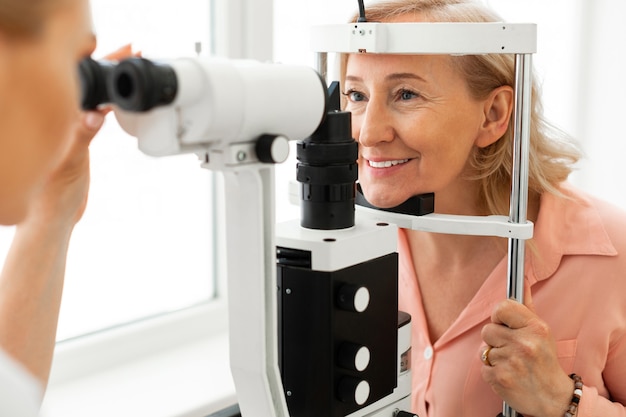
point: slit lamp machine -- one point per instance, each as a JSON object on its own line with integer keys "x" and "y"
{"x": 313, "y": 311}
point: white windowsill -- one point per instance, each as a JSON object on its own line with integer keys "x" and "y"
{"x": 172, "y": 366}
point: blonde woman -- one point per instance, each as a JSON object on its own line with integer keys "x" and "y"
{"x": 443, "y": 124}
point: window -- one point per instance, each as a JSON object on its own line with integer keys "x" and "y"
{"x": 145, "y": 245}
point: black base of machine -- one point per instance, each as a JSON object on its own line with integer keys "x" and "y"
{"x": 319, "y": 327}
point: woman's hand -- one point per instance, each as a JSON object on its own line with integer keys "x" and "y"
{"x": 63, "y": 199}
{"x": 522, "y": 365}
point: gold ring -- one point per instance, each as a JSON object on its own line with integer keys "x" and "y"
{"x": 485, "y": 356}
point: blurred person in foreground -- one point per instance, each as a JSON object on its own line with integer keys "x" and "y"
{"x": 44, "y": 181}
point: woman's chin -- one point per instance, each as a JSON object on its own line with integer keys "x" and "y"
{"x": 383, "y": 200}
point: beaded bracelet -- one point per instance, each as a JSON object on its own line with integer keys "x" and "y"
{"x": 578, "y": 392}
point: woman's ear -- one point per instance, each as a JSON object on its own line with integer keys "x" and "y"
{"x": 497, "y": 113}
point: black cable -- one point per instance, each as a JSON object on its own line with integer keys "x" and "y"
{"x": 361, "y": 12}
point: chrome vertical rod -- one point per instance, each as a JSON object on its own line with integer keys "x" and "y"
{"x": 519, "y": 187}
{"x": 322, "y": 65}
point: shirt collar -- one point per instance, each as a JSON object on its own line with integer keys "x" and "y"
{"x": 566, "y": 225}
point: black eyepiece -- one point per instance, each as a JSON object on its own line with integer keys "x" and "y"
{"x": 138, "y": 84}
{"x": 93, "y": 82}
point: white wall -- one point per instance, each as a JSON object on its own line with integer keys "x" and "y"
{"x": 602, "y": 106}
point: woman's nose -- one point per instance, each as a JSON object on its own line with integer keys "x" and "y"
{"x": 374, "y": 126}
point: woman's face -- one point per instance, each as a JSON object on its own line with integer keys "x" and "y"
{"x": 39, "y": 87}
{"x": 416, "y": 124}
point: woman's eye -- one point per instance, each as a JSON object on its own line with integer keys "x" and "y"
{"x": 354, "y": 95}
{"x": 407, "y": 95}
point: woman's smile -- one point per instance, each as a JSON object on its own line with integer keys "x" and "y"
{"x": 384, "y": 168}
{"x": 387, "y": 164}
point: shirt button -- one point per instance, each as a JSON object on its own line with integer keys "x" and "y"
{"x": 428, "y": 353}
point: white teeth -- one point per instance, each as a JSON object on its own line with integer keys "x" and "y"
{"x": 387, "y": 164}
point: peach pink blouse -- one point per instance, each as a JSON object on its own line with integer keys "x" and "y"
{"x": 578, "y": 284}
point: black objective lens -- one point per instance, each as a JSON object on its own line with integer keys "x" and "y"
{"x": 328, "y": 171}
{"x": 138, "y": 84}
{"x": 93, "y": 82}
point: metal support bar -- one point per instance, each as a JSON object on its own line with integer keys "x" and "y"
{"x": 322, "y": 65}
{"x": 426, "y": 38}
{"x": 519, "y": 187}
{"x": 252, "y": 305}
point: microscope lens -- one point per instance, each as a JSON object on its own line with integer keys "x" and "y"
{"x": 138, "y": 84}
{"x": 93, "y": 81}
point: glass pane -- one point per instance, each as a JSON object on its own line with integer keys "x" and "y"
{"x": 145, "y": 245}
{"x": 159, "y": 29}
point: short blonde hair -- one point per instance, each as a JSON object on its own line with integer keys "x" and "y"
{"x": 552, "y": 153}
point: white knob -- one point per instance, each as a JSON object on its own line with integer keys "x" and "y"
{"x": 361, "y": 299}
{"x": 362, "y": 392}
{"x": 354, "y": 357}
{"x": 353, "y": 298}
{"x": 354, "y": 391}
{"x": 272, "y": 149}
